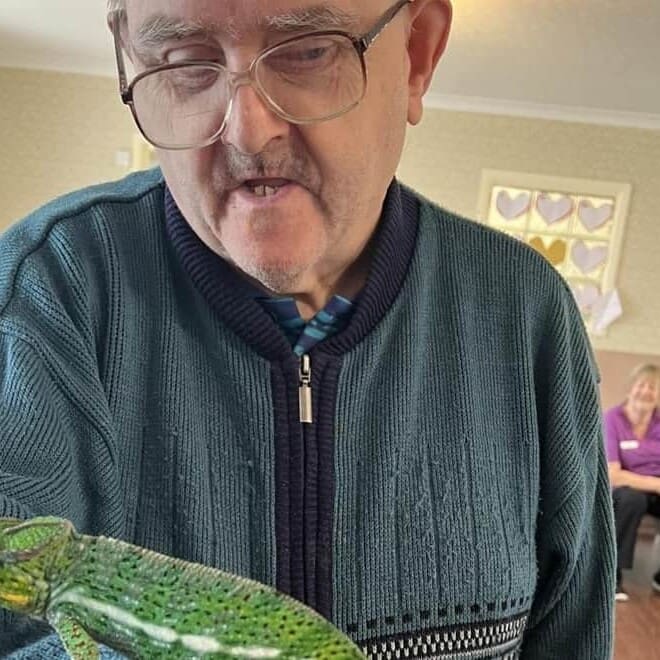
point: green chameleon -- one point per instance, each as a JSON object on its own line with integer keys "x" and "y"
{"x": 147, "y": 605}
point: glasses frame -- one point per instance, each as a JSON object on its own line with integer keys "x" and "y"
{"x": 360, "y": 43}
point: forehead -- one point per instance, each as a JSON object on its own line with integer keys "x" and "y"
{"x": 647, "y": 379}
{"x": 239, "y": 17}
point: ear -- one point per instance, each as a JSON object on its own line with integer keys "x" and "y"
{"x": 430, "y": 21}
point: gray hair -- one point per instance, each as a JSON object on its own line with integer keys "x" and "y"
{"x": 316, "y": 18}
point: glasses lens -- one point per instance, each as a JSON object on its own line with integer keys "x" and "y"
{"x": 312, "y": 78}
{"x": 182, "y": 106}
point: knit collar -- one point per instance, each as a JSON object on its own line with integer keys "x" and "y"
{"x": 232, "y": 296}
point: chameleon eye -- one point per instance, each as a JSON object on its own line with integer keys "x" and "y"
{"x": 26, "y": 540}
{"x": 7, "y": 524}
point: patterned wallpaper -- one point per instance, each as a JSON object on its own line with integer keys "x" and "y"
{"x": 445, "y": 155}
{"x": 61, "y": 131}
{"x": 58, "y": 132}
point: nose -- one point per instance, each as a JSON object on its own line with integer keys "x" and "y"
{"x": 251, "y": 125}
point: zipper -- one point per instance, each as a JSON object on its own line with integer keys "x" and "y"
{"x": 305, "y": 390}
{"x": 492, "y": 640}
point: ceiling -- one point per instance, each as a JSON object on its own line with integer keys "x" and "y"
{"x": 585, "y": 60}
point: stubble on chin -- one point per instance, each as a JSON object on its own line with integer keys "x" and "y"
{"x": 276, "y": 280}
{"x": 280, "y": 273}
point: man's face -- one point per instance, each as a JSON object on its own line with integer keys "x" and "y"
{"x": 335, "y": 173}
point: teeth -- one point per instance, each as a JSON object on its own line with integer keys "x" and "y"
{"x": 263, "y": 191}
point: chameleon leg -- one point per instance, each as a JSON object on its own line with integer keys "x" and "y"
{"x": 77, "y": 642}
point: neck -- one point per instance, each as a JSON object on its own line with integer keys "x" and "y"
{"x": 345, "y": 277}
{"x": 638, "y": 416}
{"x": 348, "y": 283}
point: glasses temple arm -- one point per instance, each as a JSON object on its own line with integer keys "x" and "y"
{"x": 368, "y": 39}
{"x": 114, "y": 19}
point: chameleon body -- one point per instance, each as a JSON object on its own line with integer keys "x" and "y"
{"x": 147, "y": 605}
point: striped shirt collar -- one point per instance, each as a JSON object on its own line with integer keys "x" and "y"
{"x": 303, "y": 336}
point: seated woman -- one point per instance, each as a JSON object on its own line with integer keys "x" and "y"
{"x": 632, "y": 436}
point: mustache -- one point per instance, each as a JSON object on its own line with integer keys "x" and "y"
{"x": 239, "y": 167}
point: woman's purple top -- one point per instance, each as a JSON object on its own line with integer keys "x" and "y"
{"x": 641, "y": 457}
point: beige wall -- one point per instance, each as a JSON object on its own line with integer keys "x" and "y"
{"x": 58, "y": 132}
{"x": 445, "y": 155}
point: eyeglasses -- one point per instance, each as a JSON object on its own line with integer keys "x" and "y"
{"x": 305, "y": 79}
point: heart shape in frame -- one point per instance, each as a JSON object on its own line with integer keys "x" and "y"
{"x": 511, "y": 208}
{"x": 552, "y": 210}
{"x": 555, "y": 253}
{"x": 586, "y": 258}
{"x": 594, "y": 217}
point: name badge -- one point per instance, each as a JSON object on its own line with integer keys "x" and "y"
{"x": 629, "y": 444}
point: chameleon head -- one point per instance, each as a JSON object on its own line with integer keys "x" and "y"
{"x": 29, "y": 552}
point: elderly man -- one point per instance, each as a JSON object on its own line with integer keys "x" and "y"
{"x": 271, "y": 357}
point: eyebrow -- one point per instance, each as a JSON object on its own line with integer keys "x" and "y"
{"x": 318, "y": 17}
{"x": 159, "y": 29}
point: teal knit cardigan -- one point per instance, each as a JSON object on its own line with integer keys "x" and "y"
{"x": 452, "y": 486}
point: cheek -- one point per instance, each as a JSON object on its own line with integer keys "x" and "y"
{"x": 189, "y": 175}
{"x": 367, "y": 142}
{"x": 185, "y": 166}
{"x": 385, "y": 111}
{"x": 369, "y": 139}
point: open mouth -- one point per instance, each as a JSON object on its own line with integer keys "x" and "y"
{"x": 265, "y": 187}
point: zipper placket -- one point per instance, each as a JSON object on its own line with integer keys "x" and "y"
{"x": 306, "y": 420}
{"x": 305, "y": 390}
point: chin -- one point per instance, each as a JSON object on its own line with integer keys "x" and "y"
{"x": 278, "y": 278}
{"x": 281, "y": 267}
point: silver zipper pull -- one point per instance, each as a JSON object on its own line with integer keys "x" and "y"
{"x": 305, "y": 390}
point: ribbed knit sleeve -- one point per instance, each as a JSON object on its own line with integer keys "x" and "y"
{"x": 572, "y": 613}
{"x": 46, "y": 451}
{"x": 55, "y": 433}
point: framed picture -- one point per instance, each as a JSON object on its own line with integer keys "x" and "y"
{"x": 578, "y": 225}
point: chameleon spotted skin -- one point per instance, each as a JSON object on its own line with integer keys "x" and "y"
{"x": 148, "y": 605}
